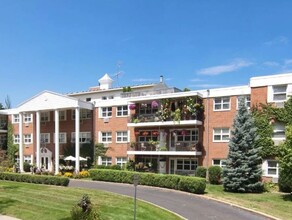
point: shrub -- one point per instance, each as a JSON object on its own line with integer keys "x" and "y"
{"x": 201, "y": 172}
{"x": 215, "y": 174}
{"x": 285, "y": 181}
{"x": 188, "y": 184}
{"x": 39, "y": 179}
{"x": 68, "y": 174}
{"x": 83, "y": 210}
{"x": 26, "y": 167}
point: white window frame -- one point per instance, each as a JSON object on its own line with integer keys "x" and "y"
{"x": 106, "y": 112}
{"x": 220, "y": 101}
{"x": 266, "y": 168}
{"x": 124, "y": 111}
{"x": 63, "y": 115}
{"x": 192, "y": 133}
{"x": 278, "y": 128}
{"x": 45, "y": 138}
{"x": 279, "y": 93}
{"x": 28, "y": 138}
{"x": 107, "y": 161}
{"x": 27, "y": 159}
{"x": 84, "y": 137}
{"x": 16, "y": 139}
{"x": 105, "y": 137}
{"x": 122, "y": 136}
{"x": 62, "y": 138}
{"x": 121, "y": 161}
{"x": 246, "y": 101}
{"x": 221, "y": 133}
{"x": 27, "y": 118}
{"x": 45, "y": 116}
{"x": 184, "y": 163}
{"x": 222, "y": 162}
{"x": 15, "y": 119}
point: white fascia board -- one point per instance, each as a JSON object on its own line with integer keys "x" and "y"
{"x": 271, "y": 80}
{"x": 164, "y": 96}
{"x": 109, "y": 103}
{"x": 228, "y": 91}
{"x": 166, "y": 123}
{"x": 4, "y": 112}
{"x": 166, "y": 153}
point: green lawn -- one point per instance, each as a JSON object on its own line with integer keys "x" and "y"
{"x": 33, "y": 201}
{"x": 272, "y": 203}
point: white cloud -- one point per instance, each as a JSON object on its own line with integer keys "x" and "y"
{"x": 288, "y": 62}
{"x": 271, "y": 63}
{"x": 277, "y": 41}
{"x": 233, "y": 66}
{"x": 197, "y": 80}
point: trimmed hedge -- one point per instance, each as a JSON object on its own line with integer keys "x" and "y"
{"x": 285, "y": 181}
{"x": 184, "y": 183}
{"x": 215, "y": 174}
{"x": 201, "y": 172}
{"x": 39, "y": 179}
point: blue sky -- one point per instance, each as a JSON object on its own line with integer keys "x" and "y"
{"x": 66, "y": 46}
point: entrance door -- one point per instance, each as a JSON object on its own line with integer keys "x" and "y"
{"x": 172, "y": 166}
{"x": 45, "y": 163}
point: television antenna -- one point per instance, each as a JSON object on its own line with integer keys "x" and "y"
{"x": 119, "y": 72}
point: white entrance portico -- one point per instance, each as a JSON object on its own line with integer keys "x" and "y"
{"x": 50, "y": 101}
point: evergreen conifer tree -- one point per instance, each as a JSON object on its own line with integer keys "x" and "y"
{"x": 243, "y": 166}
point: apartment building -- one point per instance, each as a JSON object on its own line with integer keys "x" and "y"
{"x": 166, "y": 129}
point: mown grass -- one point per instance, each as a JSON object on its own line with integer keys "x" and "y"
{"x": 33, "y": 201}
{"x": 272, "y": 203}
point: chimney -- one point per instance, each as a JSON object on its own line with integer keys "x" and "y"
{"x": 161, "y": 79}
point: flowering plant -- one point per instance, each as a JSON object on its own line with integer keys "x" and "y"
{"x": 154, "y": 104}
{"x": 132, "y": 106}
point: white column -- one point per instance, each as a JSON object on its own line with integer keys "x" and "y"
{"x": 57, "y": 142}
{"x": 20, "y": 142}
{"x": 77, "y": 143}
{"x": 38, "y": 140}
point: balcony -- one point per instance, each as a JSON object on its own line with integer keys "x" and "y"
{"x": 178, "y": 148}
{"x": 149, "y": 93}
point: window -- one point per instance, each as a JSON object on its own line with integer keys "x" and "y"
{"x": 106, "y": 161}
{"x": 84, "y": 137}
{"x": 147, "y": 108}
{"x": 145, "y": 136}
{"x": 221, "y": 103}
{"x": 28, "y": 139}
{"x": 219, "y": 162}
{"x": 27, "y": 118}
{"x": 15, "y": 119}
{"x": 121, "y": 161}
{"x": 3, "y": 121}
{"x": 246, "y": 101}
{"x": 122, "y": 110}
{"x": 84, "y": 114}
{"x": 27, "y": 159}
{"x": 88, "y": 99}
{"x": 279, "y": 93}
{"x": 3, "y": 139}
{"x": 186, "y": 164}
{"x": 271, "y": 168}
{"x": 122, "y": 136}
{"x": 45, "y": 138}
{"x": 62, "y": 138}
{"x": 188, "y": 135}
{"x": 106, "y": 137}
{"x": 16, "y": 139}
{"x": 45, "y": 116}
{"x": 278, "y": 131}
{"x": 221, "y": 134}
{"x": 62, "y": 115}
{"x": 106, "y": 112}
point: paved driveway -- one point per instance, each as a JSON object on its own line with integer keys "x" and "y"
{"x": 187, "y": 205}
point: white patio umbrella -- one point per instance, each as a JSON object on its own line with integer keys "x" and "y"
{"x": 82, "y": 159}
{"x": 70, "y": 158}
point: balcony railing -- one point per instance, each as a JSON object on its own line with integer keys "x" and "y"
{"x": 155, "y": 118}
{"x": 149, "y": 93}
{"x": 178, "y": 146}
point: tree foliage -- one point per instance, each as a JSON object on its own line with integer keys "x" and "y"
{"x": 243, "y": 166}
{"x": 11, "y": 147}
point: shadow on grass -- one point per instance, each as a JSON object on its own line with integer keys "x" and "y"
{"x": 287, "y": 197}
{"x": 68, "y": 218}
{"x": 5, "y": 203}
